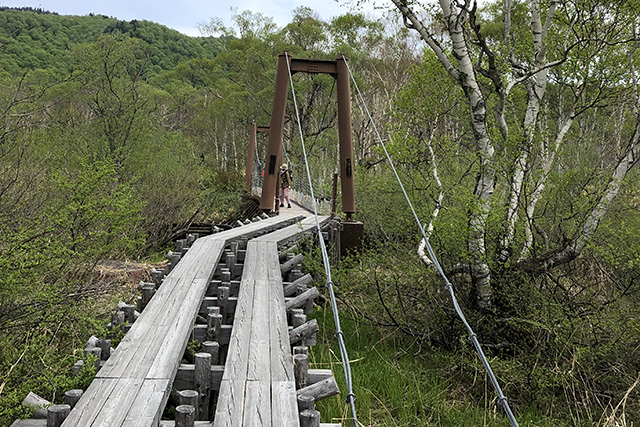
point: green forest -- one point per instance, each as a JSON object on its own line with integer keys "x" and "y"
{"x": 514, "y": 126}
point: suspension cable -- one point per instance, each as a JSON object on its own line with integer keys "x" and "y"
{"x": 502, "y": 400}
{"x": 327, "y": 268}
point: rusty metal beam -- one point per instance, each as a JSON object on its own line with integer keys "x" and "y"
{"x": 313, "y": 66}
{"x": 345, "y": 136}
{"x": 276, "y": 127}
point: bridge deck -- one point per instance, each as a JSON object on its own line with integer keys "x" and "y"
{"x": 133, "y": 386}
{"x": 258, "y": 386}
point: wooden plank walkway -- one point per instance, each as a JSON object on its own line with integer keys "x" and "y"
{"x": 258, "y": 385}
{"x": 133, "y": 386}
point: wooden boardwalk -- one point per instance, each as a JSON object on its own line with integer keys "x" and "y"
{"x": 256, "y": 385}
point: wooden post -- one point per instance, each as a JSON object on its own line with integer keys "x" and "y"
{"x": 213, "y": 348}
{"x": 185, "y": 416}
{"x": 71, "y": 397}
{"x": 343, "y": 91}
{"x": 37, "y": 404}
{"x": 129, "y": 313}
{"x": 230, "y": 260}
{"x": 77, "y": 367}
{"x": 290, "y": 264}
{"x": 305, "y": 402}
{"x": 223, "y": 302}
{"x": 301, "y": 370}
{"x": 105, "y": 346}
{"x": 117, "y": 319}
{"x": 157, "y": 276}
{"x": 301, "y": 349}
{"x": 298, "y": 319}
{"x": 97, "y": 352}
{"x": 248, "y": 174}
{"x": 334, "y": 196}
{"x": 301, "y": 332}
{"x": 225, "y": 276}
{"x": 174, "y": 258}
{"x": 276, "y": 127}
{"x": 148, "y": 290}
{"x": 309, "y": 418}
{"x": 56, "y": 414}
{"x": 202, "y": 380}
{"x": 189, "y": 397}
{"x": 292, "y": 314}
{"x": 214, "y": 325}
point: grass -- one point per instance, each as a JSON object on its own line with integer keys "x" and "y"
{"x": 398, "y": 384}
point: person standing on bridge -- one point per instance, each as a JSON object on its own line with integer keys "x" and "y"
{"x": 285, "y": 185}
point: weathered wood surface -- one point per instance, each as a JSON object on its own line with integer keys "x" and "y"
{"x": 133, "y": 386}
{"x": 258, "y": 385}
{"x": 293, "y": 232}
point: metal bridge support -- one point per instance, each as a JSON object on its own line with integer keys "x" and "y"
{"x": 352, "y": 238}
{"x": 274, "y": 147}
{"x": 345, "y": 133}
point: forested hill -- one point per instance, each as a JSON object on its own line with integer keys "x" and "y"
{"x": 36, "y": 39}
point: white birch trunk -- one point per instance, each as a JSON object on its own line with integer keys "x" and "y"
{"x": 574, "y": 248}
{"x": 536, "y": 88}
{"x": 485, "y": 184}
{"x": 465, "y": 75}
{"x": 436, "y": 210}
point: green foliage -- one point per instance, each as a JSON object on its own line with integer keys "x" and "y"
{"x": 30, "y": 40}
{"x": 396, "y": 382}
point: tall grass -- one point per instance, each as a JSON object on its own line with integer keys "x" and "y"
{"x": 398, "y": 384}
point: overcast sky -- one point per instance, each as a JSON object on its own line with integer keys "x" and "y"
{"x": 185, "y": 15}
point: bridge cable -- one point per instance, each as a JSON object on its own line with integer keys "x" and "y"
{"x": 502, "y": 400}
{"x": 327, "y": 268}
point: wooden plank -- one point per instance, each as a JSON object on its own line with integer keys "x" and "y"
{"x": 257, "y": 404}
{"x": 292, "y": 232}
{"x": 230, "y": 404}
{"x": 149, "y": 404}
{"x": 185, "y": 375}
{"x": 258, "y": 347}
{"x": 284, "y": 406}
{"x": 91, "y": 402}
{"x": 167, "y": 360}
{"x": 154, "y": 345}
{"x": 168, "y": 423}
{"x": 30, "y": 423}
{"x": 281, "y": 366}
{"x": 115, "y": 409}
{"x": 237, "y": 355}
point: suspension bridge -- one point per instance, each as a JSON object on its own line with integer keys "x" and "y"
{"x": 238, "y": 297}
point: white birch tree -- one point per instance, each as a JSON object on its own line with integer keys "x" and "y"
{"x": 566, "y": 41}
